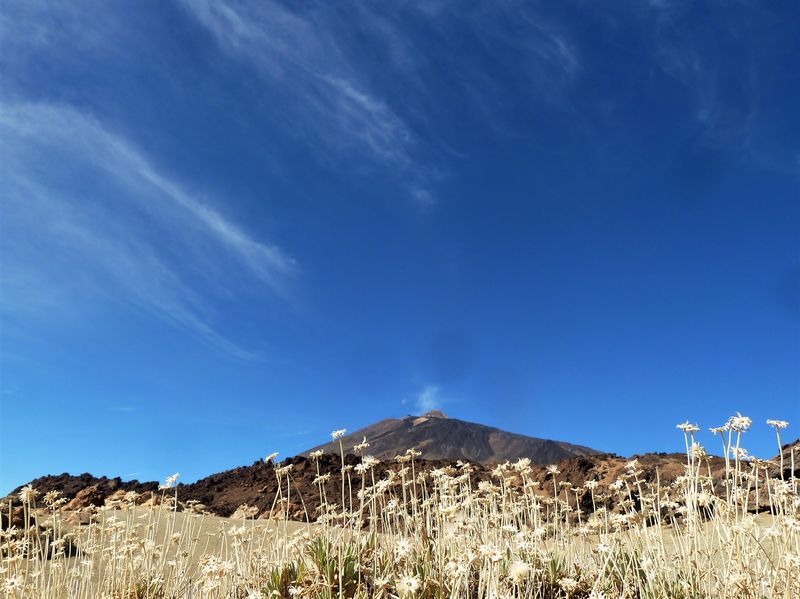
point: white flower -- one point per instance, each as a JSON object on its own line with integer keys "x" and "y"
{"x": 361, "y": 446}
{"x": 28, "y": 494}
{"x": 740, "y": 453}
{"x": 370, "y": 461}
{"x": 338, "y": 434}
{"x": 315, "y": 455}
{"x": 402, "y": 548}
{"x": 13, "y": 582}
{"x": 518, "y": 570}
{"x": 271, "y": 457}
{"x": 686, "y": 427}
{"x": 381, "y": 582}
{"x": 53, "y": 498}
{"x": 739, "y": 423}
{"x": 283, "y": 470}
{"x": 602, "y": 547}
{"x": 170, "y": 481}
{"x": 778, "y": 424}
{"x": 407, "y": 585}
{"x": 553, "y": 469}
{"x": 522, "y": 464}
{"x": 568, "y": 584}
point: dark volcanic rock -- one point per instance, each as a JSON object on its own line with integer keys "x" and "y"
{"x": 70, "y": 485}
{"x": 257, "y": 486}
{"x": 441, "y": 438}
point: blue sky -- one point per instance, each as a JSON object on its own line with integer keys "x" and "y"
{"x": 231, "y": 227}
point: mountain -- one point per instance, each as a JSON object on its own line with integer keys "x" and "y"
{"x": 439, "y": 437}
{"x": 225, "y": 492}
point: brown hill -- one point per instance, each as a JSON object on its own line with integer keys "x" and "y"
{"x": 434, "y": 434}
{"x": 441, "y": 438}
{"x": 256, "y": 486}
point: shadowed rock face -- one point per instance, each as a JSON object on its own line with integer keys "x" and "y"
{"x": 441, "y": 438}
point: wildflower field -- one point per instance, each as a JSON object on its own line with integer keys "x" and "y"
{"x": 436, "y": 533}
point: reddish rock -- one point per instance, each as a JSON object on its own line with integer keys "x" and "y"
{"x": 92, "y": 495}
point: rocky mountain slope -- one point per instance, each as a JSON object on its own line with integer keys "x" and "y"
{"x": 256, "y": 486}
{"x": 250, "y": 491}
{"x": 441, "y": 438}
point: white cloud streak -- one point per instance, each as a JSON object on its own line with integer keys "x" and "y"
{"x": 89, "y": 216}
{"x": 725, "y": 114}
{"x": 306, "y": 61}
{"x": 311, "y": 59}
{"x": 429, "y": 399}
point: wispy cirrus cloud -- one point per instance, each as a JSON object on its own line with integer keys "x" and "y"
{"x": 722, "y": 84}
{"x": 354, "y": 83}
{"x": 88, "y": 216}
{"x": 302, "y": 61}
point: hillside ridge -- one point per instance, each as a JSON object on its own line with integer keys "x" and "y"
{"x": 439, "y": 436}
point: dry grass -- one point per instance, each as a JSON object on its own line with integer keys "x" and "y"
{"x": 438, "y": 534}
